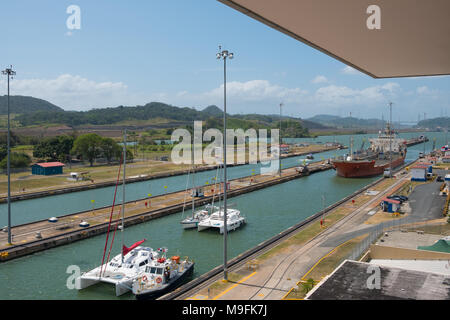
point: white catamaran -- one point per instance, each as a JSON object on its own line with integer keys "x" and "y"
{"x": 135, "y": 263}
{"x": 216, "y": 220}
{"x": 199, "y": 215}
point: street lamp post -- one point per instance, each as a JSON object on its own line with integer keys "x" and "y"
{"x": 10, "y": 73}
{"x": 224, "y": 54}
{"x": 279, "y": 146}
{"x": 390, "y": 139}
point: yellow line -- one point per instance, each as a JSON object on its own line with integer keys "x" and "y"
{"x": 233, "y": 286}
{"x": 312, "y": 268}
{"x": 303, "y": 278}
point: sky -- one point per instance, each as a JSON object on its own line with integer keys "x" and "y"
{"x": 135, "y": 52}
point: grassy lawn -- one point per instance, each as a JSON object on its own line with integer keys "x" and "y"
{"x": 303, "y": 236}
{"x": 97, "y": 173}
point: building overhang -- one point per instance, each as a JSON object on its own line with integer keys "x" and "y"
{"x": 413, "y": 38}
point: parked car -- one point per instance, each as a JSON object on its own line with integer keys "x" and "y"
{"x": 439, "y": 179}
{"x": 398, "y": 198}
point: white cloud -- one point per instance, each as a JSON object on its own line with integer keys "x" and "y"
{"x": 73, "y": 92}
{"x": 425, "y": 90}
{"x": 319, "y": 79}
{"x": 342, "y": 95}
{"x": 257, "y": 90}
{"x": 350, "y": 70}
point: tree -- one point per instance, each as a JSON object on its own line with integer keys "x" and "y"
{"x": 88, "y": 146}
{"x": 18, "y": 160}
{"x": 110, "y": 149}
{"x": 56, "y": 148}
{"x": 308, "y": 285}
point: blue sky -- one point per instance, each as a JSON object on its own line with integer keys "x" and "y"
{"x": 135, "y": 52}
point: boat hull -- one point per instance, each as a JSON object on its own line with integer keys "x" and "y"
{"x": 121, "y": 286}
{"x": 189, "y": 224}
{"x": 362, "y": 169}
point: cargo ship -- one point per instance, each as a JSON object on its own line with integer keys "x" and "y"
{"x": 376, "y": 159}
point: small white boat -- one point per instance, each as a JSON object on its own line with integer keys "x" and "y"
{"x": 216, "y": 220}
{"x": 192, "y": 222}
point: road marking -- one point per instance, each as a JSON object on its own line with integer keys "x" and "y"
{"x": 233, "y": 286}
{"x": 329, "y": 253}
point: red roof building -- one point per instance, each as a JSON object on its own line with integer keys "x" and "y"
{"x": 47, "y": 168}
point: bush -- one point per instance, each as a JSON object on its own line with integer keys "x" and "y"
{"x": 18, "y": 160}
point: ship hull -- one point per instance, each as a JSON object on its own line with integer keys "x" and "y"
{"x": 363, "y": 169}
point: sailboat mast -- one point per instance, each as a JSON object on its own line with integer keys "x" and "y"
{"x": 193, "y": 192}
{"x": 123, "y": 183}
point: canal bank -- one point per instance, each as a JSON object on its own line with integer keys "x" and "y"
{"x": 139, "y": 178}
{"x": 148, "y": 177}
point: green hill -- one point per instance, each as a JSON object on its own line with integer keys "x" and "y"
{"x": 435, "y": 123}
{"x": 347, "y": 122}
{"x": 213, "y": 111}
{"x": 24, "y": 105}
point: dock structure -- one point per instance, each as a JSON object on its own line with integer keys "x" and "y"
{"x": 41, "y": 235}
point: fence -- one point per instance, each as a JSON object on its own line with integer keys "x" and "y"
{"x": 408, "y": 223}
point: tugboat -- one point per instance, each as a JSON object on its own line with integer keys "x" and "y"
{"x": 161, "y": 276}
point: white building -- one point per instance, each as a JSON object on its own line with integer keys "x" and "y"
{"x": 419, "y": 173}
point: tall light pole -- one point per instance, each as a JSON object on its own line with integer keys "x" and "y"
{"x": 224, "y": 54}
{"x": 390, "y": 139}
{"x": 10, "y": 73}
{"x": 281, "y": 142}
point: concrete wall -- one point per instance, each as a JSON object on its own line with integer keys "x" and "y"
{"x": 384, "y": 252}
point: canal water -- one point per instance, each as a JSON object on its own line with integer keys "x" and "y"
{"x": 58, "y": 205}
{"x": 268, "y": 212}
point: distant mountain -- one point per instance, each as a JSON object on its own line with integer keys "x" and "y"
{"x": 212, "y": 115}
{"x": 213, "y": 111}
{"x": 435, "y": 123}
{"x": 108, "y": 116}
{"x": 347, "y": 122}
{"x": 24, "y": 104}
{"x": 323, "y": 118}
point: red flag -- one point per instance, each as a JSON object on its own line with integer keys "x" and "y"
{"x": 125, "y": 250}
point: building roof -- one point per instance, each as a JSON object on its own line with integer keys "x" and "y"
{"x": 439, "y": 246}
{"x": 412, "y": 39}
{"x": 50, "y": 164}
{"x": 350, "y": 280}
{"x": 434, "y": 266}
{"x": 391, "y": 200}
{"x": 420, "y": 166}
